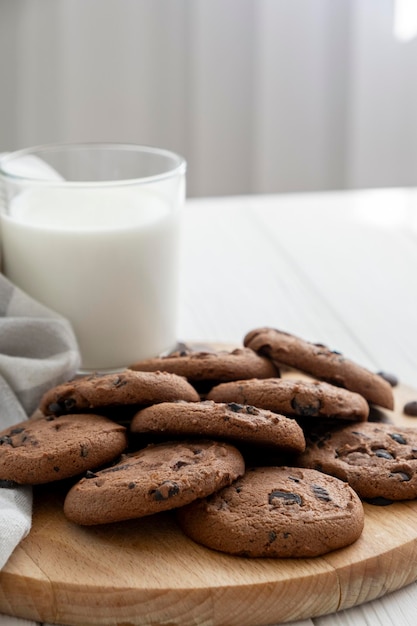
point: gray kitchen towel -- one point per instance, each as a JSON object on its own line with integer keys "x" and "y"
{"x": 38, "y": 350}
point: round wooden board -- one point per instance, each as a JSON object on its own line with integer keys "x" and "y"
{"x": 146, "y": 572}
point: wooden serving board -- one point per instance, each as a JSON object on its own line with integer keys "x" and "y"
{"x": 146, "y": 572}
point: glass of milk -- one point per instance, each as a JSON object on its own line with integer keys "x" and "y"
{"x": 92, "y": 231}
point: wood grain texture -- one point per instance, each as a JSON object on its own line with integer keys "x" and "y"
{"x": 146, "y": 572}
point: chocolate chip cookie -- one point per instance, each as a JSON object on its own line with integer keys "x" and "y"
{"x": 157, "y": 478}
{"x": 219, "y": 366}
{"x": 377, "y": 460}
{"x": 235, "y": 422}
{"x": 320, "y": 362}
{"x": 294, "y": 398}
{"x": 112, "y": 390}
{"x": 47, "y": 449}
{"x": 276, "y": 512}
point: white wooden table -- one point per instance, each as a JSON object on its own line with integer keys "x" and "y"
{"x": 338, "y": 268}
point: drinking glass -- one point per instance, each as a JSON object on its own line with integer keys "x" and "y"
{"x": 93, "y": 232}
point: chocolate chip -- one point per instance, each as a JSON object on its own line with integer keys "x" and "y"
{"x": 131, "y": 485}
{"x": 16, "y": 431}
{"x": 252, "y": 410}
{"x": 272, "y": 536}
{"x": 296, "y": 480}
{"x": 410, "y": 408}
{"x": 383, "y": 454}
{"x": 166, "y": 490}
{"x": 321, "y": 493}
{"x": 306, "y": 410}
{"x": 285, "y": 496}
{"x": 401, "y": 475}
{"x": 6, "y": 439}
{"x": 56, "y": 468}
{"x": 57, "y": 408}
{"x": 390, "y": 378}
{"x": 236, "y": 408}
{"x": 180, "y": 464}
{"x": 90, "y": 474}
{"x": 61, "y": 407}
{"x": 398, "y": 438}
{"x": 84, "y": 451}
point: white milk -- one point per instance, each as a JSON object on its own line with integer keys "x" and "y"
{"x": 107, "y": 259}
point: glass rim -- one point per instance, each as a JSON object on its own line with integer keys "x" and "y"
{"x": 178, "y": 168}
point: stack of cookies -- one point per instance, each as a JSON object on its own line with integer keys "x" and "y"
{"x": 263, "y": 451}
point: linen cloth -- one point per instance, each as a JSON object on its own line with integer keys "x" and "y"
{"x": 38, "y": 350}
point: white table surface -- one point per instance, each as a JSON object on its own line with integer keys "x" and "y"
{"x": 338, "y": 268}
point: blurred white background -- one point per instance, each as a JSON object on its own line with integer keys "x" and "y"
{"x": 259, "y": 96}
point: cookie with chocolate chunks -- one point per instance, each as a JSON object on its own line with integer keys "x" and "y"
{"x": 276, "y": 512}
{"x": 218, "y": 366}
{"x": 47, "y": 449}
{"x": 294, "y": 398}
{"x": 377, "y": 460}
{"x": 157, "y": 478}
{"x": 235, "y": 422}
{"x": 320, "y": 362}
{"x": 112, "y": 390}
